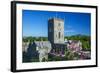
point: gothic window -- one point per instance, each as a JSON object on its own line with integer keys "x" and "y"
{"x": 59, "y": 34}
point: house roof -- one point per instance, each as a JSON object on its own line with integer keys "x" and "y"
{"x": 43, "y": 44}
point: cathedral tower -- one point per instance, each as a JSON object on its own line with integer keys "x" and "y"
{"x": 56, "y": 30}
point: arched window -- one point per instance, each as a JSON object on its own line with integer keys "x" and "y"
{"x": 59, "y": 35}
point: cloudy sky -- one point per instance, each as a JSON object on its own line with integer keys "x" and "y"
{"x": 35, "y": 23}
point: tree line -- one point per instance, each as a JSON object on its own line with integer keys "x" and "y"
{"x": 86, "y": 40}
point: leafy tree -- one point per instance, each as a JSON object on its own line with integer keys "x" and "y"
{"x": 69, "y": 55}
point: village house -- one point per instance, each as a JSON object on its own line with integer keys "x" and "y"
{"x": 74, "y": 45}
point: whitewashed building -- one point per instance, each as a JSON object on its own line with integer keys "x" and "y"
{"x": 43, "y": 48}
{"x": 74, "y": 45}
